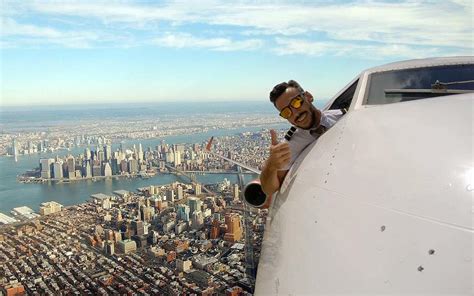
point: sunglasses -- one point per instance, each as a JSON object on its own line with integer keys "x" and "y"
{"x": 296, "y": 103}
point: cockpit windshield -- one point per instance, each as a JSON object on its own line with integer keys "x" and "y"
{"x": 419, "y": 83}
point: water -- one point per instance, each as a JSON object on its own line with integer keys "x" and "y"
{"x": 14, "y": 194}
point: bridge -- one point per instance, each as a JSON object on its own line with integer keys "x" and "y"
{"x": 191, "y": 177}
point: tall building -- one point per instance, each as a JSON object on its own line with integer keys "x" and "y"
{"x": 46, "y": 167}
{"x": 183, "y": 265}
{"x": 197, "y": 220}
{"x": 107, "y": 170}
{"x": 58, "y": 170}
{"x": 138, "y": 227}
{"x": 109, "y": 248}
{"x": 87, "y": 153}
{"x": 133, "y": 166}
{"x": 183, "y": 212}
{"x": 15, "y": 149}
{"x": 127, "y": 246}
{"x": 195, "y": 204}
{"x": 234, "y": 227}
{"x": 96, "y": 170}
{"x": 180, "y": 192}
{"x": 50, "y": 207}
{"x": 87, "y": 169}
{"x": 197, "y": 189}
{"x": 177, "y": 158}
{"x": 236, "y": 191}
{"x": 140, "y": 153}
{"x": 107, "y": 152}
{"x": 215, "y": 229}
{"x": 170, "y": 195}
{"x": 71, "y": 167}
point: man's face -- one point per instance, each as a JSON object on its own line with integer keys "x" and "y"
{"x": 306, "y": 116}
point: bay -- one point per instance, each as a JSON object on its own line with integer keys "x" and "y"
{"x": 14, "y": 194}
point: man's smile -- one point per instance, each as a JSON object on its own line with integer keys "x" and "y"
{"x": 301, "y": 117}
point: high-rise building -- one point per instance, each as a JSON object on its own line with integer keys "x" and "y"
{"x": 236, "y": 191}
{"x": 107, "y": 170}
{"x": 169, "y": 158}
{"x": 50, "y": 207}
{"x": 183, "y": 212}
{"x": 58, "y": 170}
{"x": 109, "y": 248}
{"x": 15, "y": 149}
{"x": 87, "y": 153}
{"x": 71, "y": 167}
{"x": 133, "y": 166}
{"x": 127, "y": 246}
{"x": 195, "y": 204}
{"x": 170, "y": 195}
{"x": 147, "y": 213}
{"x": 107, "y": 152}
{"x": 87, "y": 169}
{"x": 46, "y": 167}
{"x": 96, "y": 170}
{"x": 180, "y": 192}
{"x": 215, "y": 229}
{"x": 234, "y": 227}
{"x": 140, "y": 153}
{"x": 138, "y": 227}
{"x": 183, "y": 265}
{"x": 197, "y": 219}
{"x": 177, "y": 158}
{"x": 197, "y": 189}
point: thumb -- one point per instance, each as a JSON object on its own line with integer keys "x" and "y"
{"x": 274, "y": 137}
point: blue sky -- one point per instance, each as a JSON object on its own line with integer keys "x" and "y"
{"x": 76, "y": 52}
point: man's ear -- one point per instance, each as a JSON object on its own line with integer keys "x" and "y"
{"x": 308, "y": 96}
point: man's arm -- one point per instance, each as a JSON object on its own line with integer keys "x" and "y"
{"x": 273, "y": 171}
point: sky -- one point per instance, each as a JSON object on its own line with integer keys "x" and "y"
{"x": 93, "y": 52}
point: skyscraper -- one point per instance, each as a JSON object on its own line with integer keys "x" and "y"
{"x": 46, "y": 167}
{"x": 234, "y": 227}
{"x": 140, "y": 153}
{"x": 195, "y": 204}
{"x": 15, "y": 149}
{"x": 107, "y": 170}
{"x": 183, "y": 212}
{"x": 108, "y": 152}
{"x": 197, "y": 189}
{"x": 180, "y": 192}
{"x": 71, "y": 167}
{"x": 236, "y": 191}
{"x": 87, "y": 153}
{"x": 58, "y": 170}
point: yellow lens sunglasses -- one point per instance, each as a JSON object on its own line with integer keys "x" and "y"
{"x": 296, "y": 103}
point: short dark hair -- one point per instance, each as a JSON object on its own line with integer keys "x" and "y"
{"x": 281, "y": 87}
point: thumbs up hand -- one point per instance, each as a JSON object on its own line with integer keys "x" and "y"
{"x": 280, "y": 154}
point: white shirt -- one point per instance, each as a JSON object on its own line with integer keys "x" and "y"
{"x": 301, "y": 138}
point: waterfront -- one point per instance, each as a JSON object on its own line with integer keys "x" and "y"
{"x": 15, "y": 194}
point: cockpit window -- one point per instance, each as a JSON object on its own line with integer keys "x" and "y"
{"x": 414, "y": 84}
{"x": 343, "y": 101}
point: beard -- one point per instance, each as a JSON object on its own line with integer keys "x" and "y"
{"x": 315, "y": 119}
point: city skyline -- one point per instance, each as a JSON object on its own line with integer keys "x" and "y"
{"x": 56, "y": 53}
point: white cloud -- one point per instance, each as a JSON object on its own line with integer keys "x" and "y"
{"x": 291, "y": 46}
{"x": 11, "y": 28}
{"x": 184, "y": 40}
{"x": 405, "y": 24}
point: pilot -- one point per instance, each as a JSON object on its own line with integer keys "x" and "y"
{"x": 309, "y": 123}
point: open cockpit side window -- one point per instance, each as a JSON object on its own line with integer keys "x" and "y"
{"x": 343, "y": 101}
